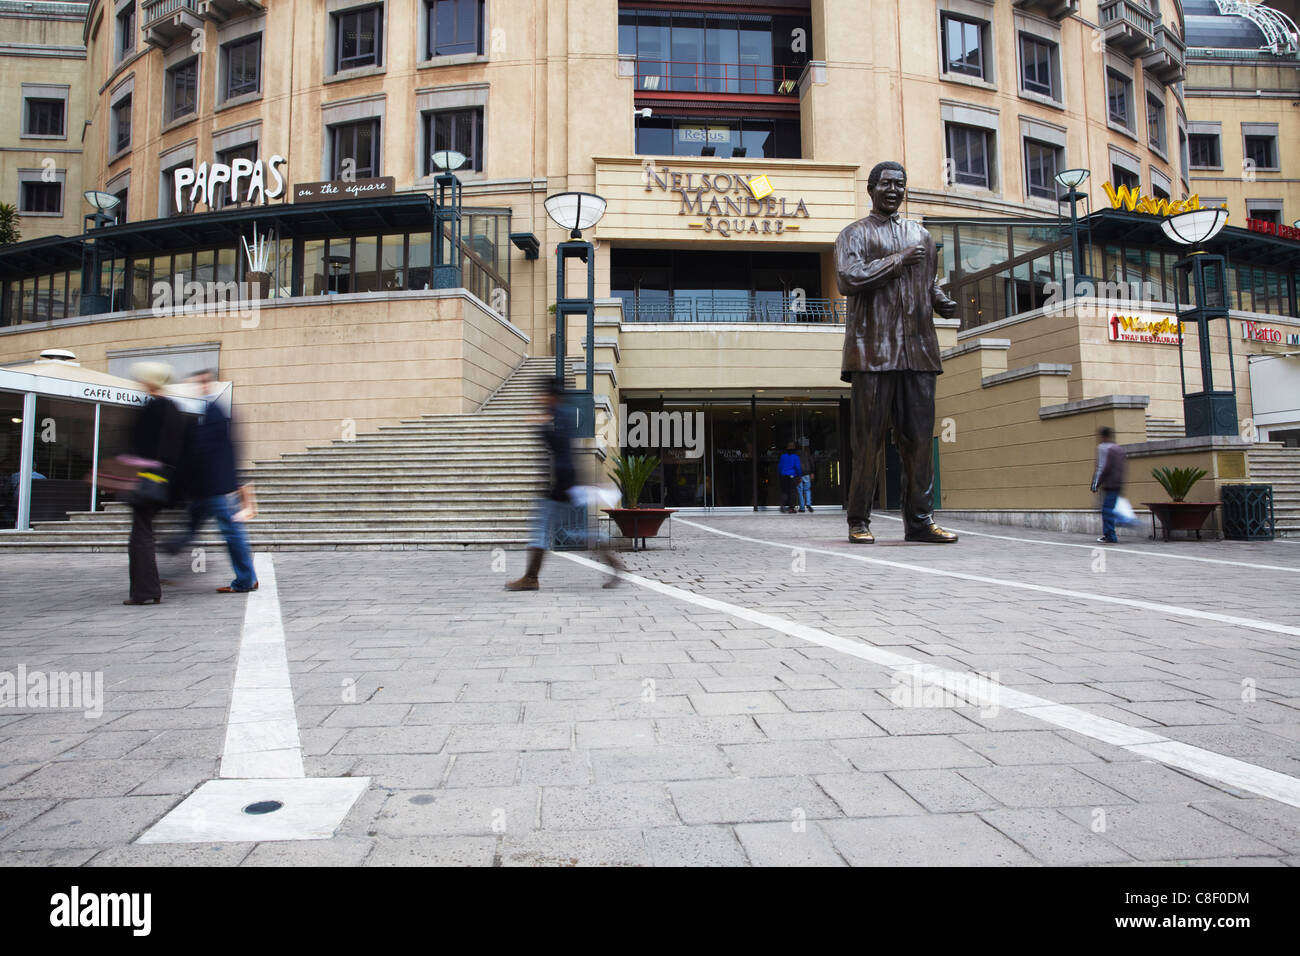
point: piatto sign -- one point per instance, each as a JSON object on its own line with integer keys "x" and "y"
{"x": 1139, "y": 328}
{"x": 729, "y": 204}
{"x": 1254, "y": 332}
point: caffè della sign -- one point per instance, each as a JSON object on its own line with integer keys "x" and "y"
{"x": 248, "y": 181}
{"x": 729, "y": 204}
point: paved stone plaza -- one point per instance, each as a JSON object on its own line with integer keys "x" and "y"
{"x": 744, "y": 698}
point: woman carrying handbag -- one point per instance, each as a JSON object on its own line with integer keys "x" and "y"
{"x": 157, "y": 437}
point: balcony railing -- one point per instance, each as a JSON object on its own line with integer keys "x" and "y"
{"x": 686, "y": 76}
{"x": 1129, "y": 25}
{"x": 1056, "y": 9}
{"x": 221, "y": 10}
{"x": 165, "y": 22}
{"x": 752, "y": 308}
{"x": 1166, "y": 60}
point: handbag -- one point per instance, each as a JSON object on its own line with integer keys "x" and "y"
{"x": 1124, "y": 511}
{"x": 152, "y": 488}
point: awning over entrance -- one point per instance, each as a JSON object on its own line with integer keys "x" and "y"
{"x": 412, "y": 212}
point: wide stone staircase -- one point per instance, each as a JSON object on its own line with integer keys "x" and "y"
{"x": 1162, "y": 428}
{"x": 439, "y": 482}
{"x": 1273, "y": 464}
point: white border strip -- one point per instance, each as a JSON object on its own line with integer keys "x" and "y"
{"x": 982, "y": 691}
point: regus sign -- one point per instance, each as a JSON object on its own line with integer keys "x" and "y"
{"x": 202, "y": 183}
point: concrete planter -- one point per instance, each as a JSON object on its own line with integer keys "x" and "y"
{"x": 1181, "y": 515}
{"x": 639, "y": 523}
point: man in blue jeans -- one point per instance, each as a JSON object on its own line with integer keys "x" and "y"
{"x": 1112, "y": 465}
{"x": 209, "y": 475}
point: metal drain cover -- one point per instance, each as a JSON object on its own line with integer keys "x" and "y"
{"x": 263, "y": 806}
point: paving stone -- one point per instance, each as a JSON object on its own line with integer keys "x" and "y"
{"x": 822, "y": 725}
{"x": 922, "y": 720}
{"x": 740, "y": 800}
{"x": 462, "y": 811}
{"x": 593, "y": 734}
{"x": 1275, "y": 823}
{"x": 1041, "y": 786}
{"x": 663, "y": 762}
{"x": 392, "y": 740}
{"x": 173, "y": 854}
{"x": 786, "y": 844}
{"x": 93, "y": 822}
{"x": 942, "y": 791}
{"x": 556, "y": 768}
{"x": 694, "y": 846}
{"x": 708, "y": 730}
{"x": 602, "y": 806}
{"x": 483, "y": 770}
{"x": 867, "y": 794}
{"x": 1172, "y": 833}
{"x": 782, "y": 758}
{"x": 1016, "y": 747}
{"x": 592, "y": 847}
{"x": 338, "y": 851}
{"x": 753, "y": 702}
{"x": 401, "y": 771}
{"x": 465, "y": 738}
{"x": 908, "y": 753}
{"x": 433, "y": 851}
{"x": 931, "y": 840}
{"x": 1148, "y": 782}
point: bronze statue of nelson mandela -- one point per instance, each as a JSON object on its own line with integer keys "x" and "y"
{"x": 886, "y": 269}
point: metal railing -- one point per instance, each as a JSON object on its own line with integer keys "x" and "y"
{"x": 686, "y": 76}
{"x": 1131, "y": 11}
{"x": 754, "y": 308}
{"x": 155, "y": 10}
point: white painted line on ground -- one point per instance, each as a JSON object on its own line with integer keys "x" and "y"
{"x": 1177, "y": 611}
{"x": 262, "y": 729}
{"x": 262, "y": 757}
{"x": 980, "y": 690}
{"x": 1110, "y": 548}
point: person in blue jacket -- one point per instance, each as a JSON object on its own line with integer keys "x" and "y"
{"x": 790, "y": 468}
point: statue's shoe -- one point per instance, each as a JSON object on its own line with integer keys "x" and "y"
{"x": 932, "y": 535}
{"x": 859, "y": 533}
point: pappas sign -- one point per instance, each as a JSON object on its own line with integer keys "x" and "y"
{"x": 1137, "y": 328}
{"x": 344, "y": 189}
{"x": 249, "y": 174}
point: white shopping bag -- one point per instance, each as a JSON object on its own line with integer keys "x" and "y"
{"x": 1124, "y": 511}
{"x": 582, "y": 495}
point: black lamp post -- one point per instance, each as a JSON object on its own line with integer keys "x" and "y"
{"x": 1070, "y": 180}
{"x": 447, "y": 220}
{"x": 1201, "y": 296}
{"x": 576, "y": 211}
{"x": 93, "y": 299}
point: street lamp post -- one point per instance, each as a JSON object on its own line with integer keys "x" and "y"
{"x": 447, "y": 220}
{"x": 94, "y": 302}
{"x": 1200, "y": 296}
{"x": 1070, "y": 180}
{"x": 576, "y": 211}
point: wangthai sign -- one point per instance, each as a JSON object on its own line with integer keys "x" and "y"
{"x": 344, "y": 189}
{"x": 1132, "y": 199}
{"x": 249, "y": 174}
{"x": 1139, "y": 328}
{"x": 728, "y": 204}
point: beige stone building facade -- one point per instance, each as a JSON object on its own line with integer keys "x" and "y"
{"x": 732, "y": 143}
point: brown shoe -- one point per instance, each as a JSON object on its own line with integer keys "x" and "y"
{"x": 860, "y": 533}
{"x": 606, "y": 554}
{"x": 932, "y": 535}
{"x": 529, "y": 581}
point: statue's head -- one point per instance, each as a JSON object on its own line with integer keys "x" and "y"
{"x": 887, "y": 184}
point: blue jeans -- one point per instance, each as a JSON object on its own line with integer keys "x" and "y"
{"x": 804, "y": 487}
{"x": 241, "y": 557}
{"x": 549, "y": 517}
{"x": 1108, "y": 499}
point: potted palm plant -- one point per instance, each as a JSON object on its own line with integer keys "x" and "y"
{"x": 1178, "y": 514}
{"x": 630, "y": 473}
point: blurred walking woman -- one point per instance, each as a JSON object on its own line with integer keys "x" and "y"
{"x": 157, "y": 438}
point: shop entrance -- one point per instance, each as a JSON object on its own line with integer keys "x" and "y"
{"x": 733, "y": 447}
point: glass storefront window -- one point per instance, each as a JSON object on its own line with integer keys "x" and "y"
{"x": 366, "y": 273}
{"x": 315, "y": 275}
{"x": 419, "y": 261}
{"x": 391, "y": 258}
{"x": 58, "y": 290}
{"x": 225, "y": 267}
{"x": 11, "y": 439}
{"x": 62, "y": 455}
{"x": 74, "y": 292}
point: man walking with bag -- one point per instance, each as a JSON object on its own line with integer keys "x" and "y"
{"x": 1112, "y": 468}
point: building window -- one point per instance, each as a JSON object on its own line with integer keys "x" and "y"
{"x": 242, "y": 61}
{"x": 1184, "y": 157}
{"x": 1042, "y": 160}
{"x": 1156, "y": 123}
{"x": 455, "y": 26}
{"x": 120, "y": 209}
{"x": 41, "y": 197}
{"x": 715, "y": 52}
{"x": 45, "y": 117}
{"x": 1119, "y": 99}
{"x": 355, "y": 149}
{"x": 458, "y": 130}
{"x": 765, "y": 138}
{"x": 1264, "y": 215}
{"x": 1262, "y": 151}
{"x": 359, "y": 36}
{"x": 183, "y": 90}
{"x": 1038, "y": 66}
{"x": 122, "y": 125}
{"x": 1203, "y": 151}
{"x": 971, "y": 154}
{"x": 221, "y": 194}
{"x": 126, "y": 32}
{"x": 1119, "y": 176}
{"x": 169, "y": 184}
{"x": 963, "y": 46}
{"x": 1158, "y": 191}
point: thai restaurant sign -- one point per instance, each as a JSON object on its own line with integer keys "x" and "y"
{"x": 1273, "y": 229}
{"x": 1141, "y": 328}
{"x": 786, "y": 201}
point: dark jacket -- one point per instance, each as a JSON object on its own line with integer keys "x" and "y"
{"x": 159, "y": 432}
{"x": 212, "y": 454}
{"x": 1112, "y": 467}
{"x": 890, "y": 320}
{"x": 557, "y": 435}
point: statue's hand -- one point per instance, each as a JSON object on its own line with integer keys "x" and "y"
{"x": 914, "y": 256}
{"x": 947, "y": 308}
